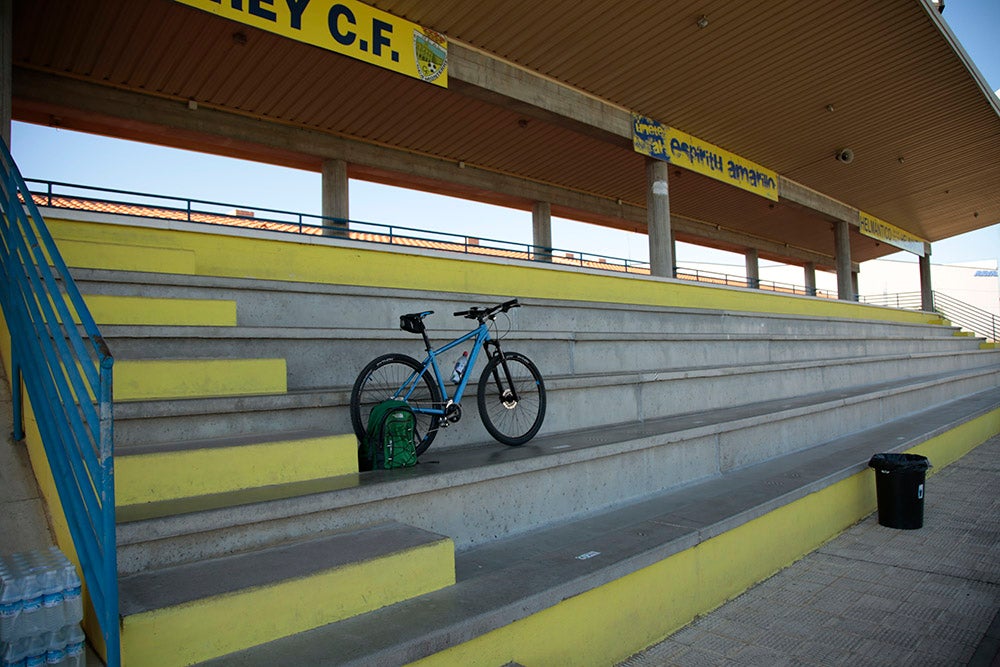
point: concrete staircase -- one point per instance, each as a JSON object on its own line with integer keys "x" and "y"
{"x": 245, "y": 529}
{"x": 237, "y": 481}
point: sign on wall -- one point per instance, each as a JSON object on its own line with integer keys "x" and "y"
{"x": 662, "y": 142}
{"x": 894, "y": 236}
{"x": 347, "y": 27}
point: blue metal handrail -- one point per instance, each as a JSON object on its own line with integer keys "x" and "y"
{"x": 68, "y": 379}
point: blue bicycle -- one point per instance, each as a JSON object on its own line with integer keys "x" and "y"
{"x": 511, "y": 393}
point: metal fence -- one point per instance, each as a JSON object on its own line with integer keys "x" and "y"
{"x": 980, "y": 322}
{"x": 66, "y": 369}
{"x": 68, "y": 195}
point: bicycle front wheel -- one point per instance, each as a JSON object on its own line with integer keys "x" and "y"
{"x": 399, "y": 377}
{"x": 511, "y": 398}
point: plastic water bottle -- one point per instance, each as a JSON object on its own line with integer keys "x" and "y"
{"x": 75, "y": 656}
{"x": 11, "y": 602}
{"x": 456, "y": 377}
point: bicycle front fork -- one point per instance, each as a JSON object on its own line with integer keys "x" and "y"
{"x": 509, "y": 395}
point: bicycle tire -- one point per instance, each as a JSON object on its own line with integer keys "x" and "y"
{"x": 511, "y": 422}
{"x": 380, "y": 380}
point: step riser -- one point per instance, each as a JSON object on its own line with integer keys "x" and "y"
{"x": 186, "y": 473}
{"x": 506, "y": 500}
{"x": 184, "y": 378}
{"x": 315, "y": 363}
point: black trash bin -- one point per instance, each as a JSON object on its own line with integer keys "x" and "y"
{"x": 899, "y": 486}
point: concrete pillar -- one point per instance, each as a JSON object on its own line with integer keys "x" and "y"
{"x": 845, "y": 283}
{"x": 661, "y": 251}
{"x": 854, "y": 285}
{"x": 926, "y": 289}
{"x": 541, "y": 230}
{"x": 336, "y": 201}
{"x": 810, "y": 271}
{"x": 6, "y": 66}
{"x": 753, "y": 268}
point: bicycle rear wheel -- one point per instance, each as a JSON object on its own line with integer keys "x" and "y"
{"x": 391, "y": 376}
{"x": 511, "y": 398}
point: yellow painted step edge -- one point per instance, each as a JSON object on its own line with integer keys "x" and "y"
{"x": 208, "y": 628}
{"x": 113, "y": 309}
{"x": 191, "y": 378}
{"x": 989, "y": 346}
{"x": 145, "y": 478}
{"x": 652, "y": 603}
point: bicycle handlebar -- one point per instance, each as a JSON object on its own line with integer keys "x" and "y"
{"x": 483, "y": 313}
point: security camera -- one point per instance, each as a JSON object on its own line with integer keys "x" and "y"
{"x": 845, "y": 155}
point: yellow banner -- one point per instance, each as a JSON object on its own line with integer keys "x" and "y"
{"x": 894, "y": 236}
{"x": 659, "y": 141}
{"x": 349, "y": 28}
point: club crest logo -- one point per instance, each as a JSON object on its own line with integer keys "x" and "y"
{"x": 430, "y": 50}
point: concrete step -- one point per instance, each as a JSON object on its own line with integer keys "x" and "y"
{"x": 186, "y": 614}
{"x": 321, "y": 358}
{"x": 269, "y": 303}
{"x": 172, "y": 471}
{"x": 549, "y": 479}
{"x": 575, "y": 401}
{"x": 658, "y": 562}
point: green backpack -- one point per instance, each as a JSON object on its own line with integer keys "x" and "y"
{"x": 391, "y": 436}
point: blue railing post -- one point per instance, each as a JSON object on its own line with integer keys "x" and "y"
{"x": 16, "y": 392}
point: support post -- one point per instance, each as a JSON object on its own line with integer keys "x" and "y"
{"x": 541, "y": 230}
{"x": 810, "y": 271}
{"x": 753, "y": 268}
{"x": 661, "y": 251}
{"x": 926, "y": 289}
{"x": 845, "y": 282}
{"x": 336, "y": 200}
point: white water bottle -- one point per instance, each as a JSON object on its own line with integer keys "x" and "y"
{"x": 456, "y": 377}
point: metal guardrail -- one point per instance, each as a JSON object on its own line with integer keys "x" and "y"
{"x": 980, "y": 322}
{"x": 68, "y": 379}
{"x": 69, "y": 195}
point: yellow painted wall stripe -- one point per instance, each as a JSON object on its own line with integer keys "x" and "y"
{"x": 142, "y": 310}
{"x": 144, "y": 379}
{"x": 208, "y": 628}
{"x": 144, "y": 478}
{"x": 654, "y": 602}
{"x": 92, "y": 254}
{"x": 227, "y": 255}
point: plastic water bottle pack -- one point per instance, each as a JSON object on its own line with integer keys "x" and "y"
{"x": 40, "y": 610}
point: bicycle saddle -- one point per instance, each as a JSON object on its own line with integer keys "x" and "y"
{"x": 414, "y": 322}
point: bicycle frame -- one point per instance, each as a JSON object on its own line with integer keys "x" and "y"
{"x": 483, "y": 340}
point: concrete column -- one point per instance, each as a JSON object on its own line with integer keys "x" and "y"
{"x": 661, "y": 251}
{"x": 753, "y": 268}
{"x": 845, "y": 284}
{"x": 6, "y": 67}
{"x": 541, "y": 230}
{"x": 926, "y": 289}
{"x": 336, "y": 201}
{"x": 810, "y": 271}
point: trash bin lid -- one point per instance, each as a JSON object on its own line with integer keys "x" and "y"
{"x": 889, "y": 462}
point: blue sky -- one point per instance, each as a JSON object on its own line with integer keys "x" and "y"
{"x": 62, "y": 155}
